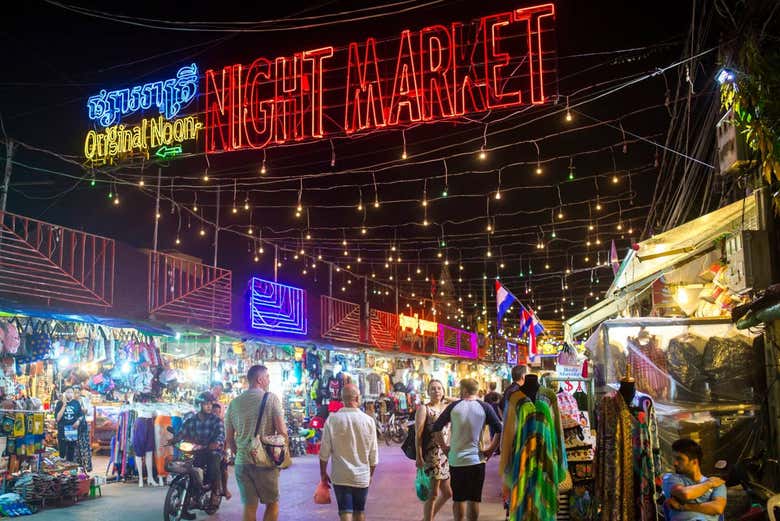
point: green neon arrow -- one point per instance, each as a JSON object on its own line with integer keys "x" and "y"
{"x": 165, "y": 152}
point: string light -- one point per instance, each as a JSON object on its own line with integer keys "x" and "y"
{"x": 202, "y": 232}
{"x": 250, "y": 231}
{"x": 615, "y": 179}
{"x": 568, "y": 112}
{"x": 141, "y": 182}
{"x": 116, "y": 200}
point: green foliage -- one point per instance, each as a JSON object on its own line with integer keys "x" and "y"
{"x": 755, "y": 101}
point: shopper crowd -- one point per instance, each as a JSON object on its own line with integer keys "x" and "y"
{"x": 451, "y": 448}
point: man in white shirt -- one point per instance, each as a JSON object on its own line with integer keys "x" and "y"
{"x": 349, "y": 439}
{"x": 467, "y": 460}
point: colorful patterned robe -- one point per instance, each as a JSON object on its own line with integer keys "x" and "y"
{"x": 533, "y": 457}
{"x": 627, "y": 459}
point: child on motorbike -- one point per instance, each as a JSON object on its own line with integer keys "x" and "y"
{"x": 216, "y": 409}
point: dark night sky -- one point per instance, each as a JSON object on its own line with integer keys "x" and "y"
{"x": 55, "y": 59}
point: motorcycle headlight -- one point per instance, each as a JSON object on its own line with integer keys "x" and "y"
{"x": 186, "y": 446}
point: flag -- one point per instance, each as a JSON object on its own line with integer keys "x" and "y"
{"x": 530, "y": 325}
{"x": 613, "y": 259}
{"x": 504, "y": 300}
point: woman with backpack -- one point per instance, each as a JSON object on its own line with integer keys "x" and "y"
{"x": 430, "y": 457}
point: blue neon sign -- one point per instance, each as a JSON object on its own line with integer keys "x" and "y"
{"x": 277, "y": 308}
{"x": 169, "y": 96}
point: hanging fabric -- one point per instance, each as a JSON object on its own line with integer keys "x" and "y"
{"x": 628, "y": 459}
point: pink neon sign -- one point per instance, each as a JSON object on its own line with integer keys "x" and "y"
{"x": 457, "y": 342}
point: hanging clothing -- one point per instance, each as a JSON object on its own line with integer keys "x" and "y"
{"x": 533, "y": 457}
{"x": 628, "y": 460}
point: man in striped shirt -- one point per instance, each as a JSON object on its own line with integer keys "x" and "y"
{"x": 255, "y": 484}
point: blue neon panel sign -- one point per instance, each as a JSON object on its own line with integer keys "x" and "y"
{"x": 277, "y": 308}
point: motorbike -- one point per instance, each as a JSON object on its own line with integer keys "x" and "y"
{"x": 757, "y": 475}
{"x": 187, "y": 489}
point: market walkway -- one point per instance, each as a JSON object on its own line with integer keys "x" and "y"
{"x": 392, "y": 497}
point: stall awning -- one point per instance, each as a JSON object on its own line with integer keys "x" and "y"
{"x": 661, "y": 254}
{"x": 147, "y": 327}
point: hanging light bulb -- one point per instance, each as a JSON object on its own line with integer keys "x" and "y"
{"x": 498, "y": 195}
{"x": 263, "y": 169}
{"x": 235, "y": 210}
{"x": 403, "y": 154}
{"x": 444, "y": 192}
{"x": 489, "y": 253}
{"x": 308, "y": 236}
{"x": 619, "y": 226}
{"x": 546, "y": 266}
{"x": 590, "y": 227}
{"x": 615, "y": 179}
{"x": 438, "y": 255}
{"x": 588, "y": 243}
{"x": 157, "y": 215}
{"x": 206, "y": 178}
{"x": 598, "y": 206}
{"x": 560, "y": 214}
{"x": 538, "y": 168}
{"x": 630, "y": 230}
{"x": 257, "y": 259}
{"x": 482, "y": 153}
{"x": 261, "y": 250}
{"x": 376, "y": 203}
{"x": 502, "y": 265}
{"x": 195, "y": 208}
{"x": 489, "y": 227}
{"x": 419, "y": 271}
{"x": 460, "y": 267}
{"x": 587, "y": 259}
{"x": 116, "y": 200}
{"x": 568, "y": 115}
{"x": 202, "y": 232}
{"x": 553, "y": 235}
{"x": 250, "y": 231}
{"x": 598, "y": 241}
{"x": 392, "y": 248}
{"x": 360, "y": 259}
{"x": 363, "y": 230}
{"x": 141, "y": 182}
{"x": 425, "y": 222}
{"x": 344, "y": 242}
{"x": 360, "y": 207}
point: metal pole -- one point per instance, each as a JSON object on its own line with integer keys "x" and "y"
{"x": 216, "y": 230}
{"x": 276, "y": 263}
{"x": 367, "y": 323}
{"x": 330, "y": 280}
{"x": 157, "y": 210}
{"x": 9, "y": 155}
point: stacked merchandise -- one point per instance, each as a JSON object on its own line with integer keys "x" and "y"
{"x": 22, "y": 436}
{"x": 12, "y": 505}
{"x": 297, "y": 442}
{"x": 576, "y": 504}
{"x": 36, "y": 487}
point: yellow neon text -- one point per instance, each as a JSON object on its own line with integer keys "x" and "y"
{"x": 150, "y": 133}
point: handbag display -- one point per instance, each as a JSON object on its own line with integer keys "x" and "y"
{"x": 269, "y": 451}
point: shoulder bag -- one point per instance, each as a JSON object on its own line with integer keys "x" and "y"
{"x": 269, "y": 451}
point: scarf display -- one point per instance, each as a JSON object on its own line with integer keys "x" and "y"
{"x": 533, "y": 458}
{"x": 627, "y": 459}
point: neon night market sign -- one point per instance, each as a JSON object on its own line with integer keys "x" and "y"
{"x": 436, "y": 73}
{"x": 277, "y": 308}
{"x": 165, "y": 132}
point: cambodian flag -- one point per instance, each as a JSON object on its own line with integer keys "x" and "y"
{"x": 504, "y": 300}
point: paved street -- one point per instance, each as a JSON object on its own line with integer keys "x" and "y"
{"x": 392, "y": 497}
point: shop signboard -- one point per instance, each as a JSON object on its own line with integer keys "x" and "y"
{"x": 277, "y": 308}
{"x": 511, "y": 353}
{"x": 436, "y": 73}
{"x": 457, "y": 342}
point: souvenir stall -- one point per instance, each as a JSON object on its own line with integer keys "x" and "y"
{"x": 673, "y": 358}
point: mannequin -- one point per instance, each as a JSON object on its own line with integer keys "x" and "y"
{"x": 530, "y": 386}
{"x": 628, "y": 460}
{"x": 533, "y": 456}
{"x": 627, "y": 389}
{"x": 143, "y": 444}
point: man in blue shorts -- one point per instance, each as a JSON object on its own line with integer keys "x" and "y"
{"x": 349, "y": 440}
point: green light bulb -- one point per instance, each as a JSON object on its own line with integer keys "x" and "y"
{"x": 92, "y": 182}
